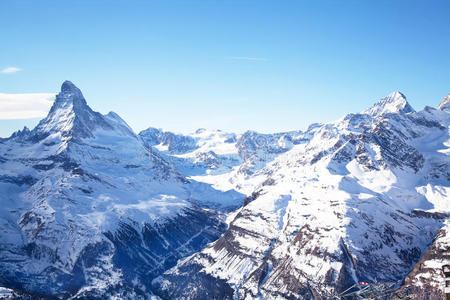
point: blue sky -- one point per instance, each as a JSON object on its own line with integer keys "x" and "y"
{"x": 232, "y": 65}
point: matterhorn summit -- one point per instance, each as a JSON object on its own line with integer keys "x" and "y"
{"x": 70, "y": 90}
{"x": 70, "y": 116}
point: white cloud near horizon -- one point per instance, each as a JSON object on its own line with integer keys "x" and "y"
{"x": 249, "y": 58}
{"x": 10, "y": 70}
{"x": 25, "y": 106}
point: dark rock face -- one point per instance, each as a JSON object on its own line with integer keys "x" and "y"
{"x": 198, "y": 285}
{"x": 19, "y": 180}
{"x": 426, "y": 280}
{"x": 395, "y": 152}
{"x": 158, "y": 247}
{"x": 394, "y": 149}
{"x": 281, "y": 276}
{"x": 151, "y": 136}
{"x": 139, "y": 256}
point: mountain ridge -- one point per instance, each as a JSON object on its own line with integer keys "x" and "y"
{"x": 394, "y": 142}
{"x": 95, "y": 210}
{"x": 90, "y": 209}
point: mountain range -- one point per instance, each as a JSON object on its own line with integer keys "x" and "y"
{"x": 93, "y": 210}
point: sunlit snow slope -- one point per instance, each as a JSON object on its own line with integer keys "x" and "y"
{"x": 359, "y": 199}
{"x": 89, "y": 211}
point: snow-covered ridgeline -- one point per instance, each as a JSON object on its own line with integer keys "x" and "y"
{"x": 359, "y": 199}
{"x": 90, "y": 209}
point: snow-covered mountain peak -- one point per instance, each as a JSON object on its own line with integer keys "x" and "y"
{"x": 393, "y": 103}
{"x": 445, "y": 104}
{"x": 90, "y": 210}
{"x": 69, "y": 87}
{"x": 21, "y": 133}
{"x": 70, "y": 95}
{"x": 71, "y": 116}
{"x": 82, "y": 185}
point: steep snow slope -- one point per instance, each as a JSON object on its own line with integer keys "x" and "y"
{"x": 359, "y": 199}
{"x": 393, "y": 103}
{"x": 89, "y": 211}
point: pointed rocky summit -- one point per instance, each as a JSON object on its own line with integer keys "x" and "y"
{"x": 445, "y": 104}
{"x": 393, "y": 103}
{"x": 70, "y": 115}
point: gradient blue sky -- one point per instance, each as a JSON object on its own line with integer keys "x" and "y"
{"x": 232, "y": 65}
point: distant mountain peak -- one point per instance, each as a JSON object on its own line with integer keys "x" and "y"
{"x": 445, "y": 104}
{"x": 21, "y": 133}
{"x": 397, "y": 95}
{"x": 393, "y": 103}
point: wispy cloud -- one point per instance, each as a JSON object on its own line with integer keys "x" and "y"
{"x": 25, "y": 106}
{"x": 249, "y": 58}
{"x": 10, "y": 70}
